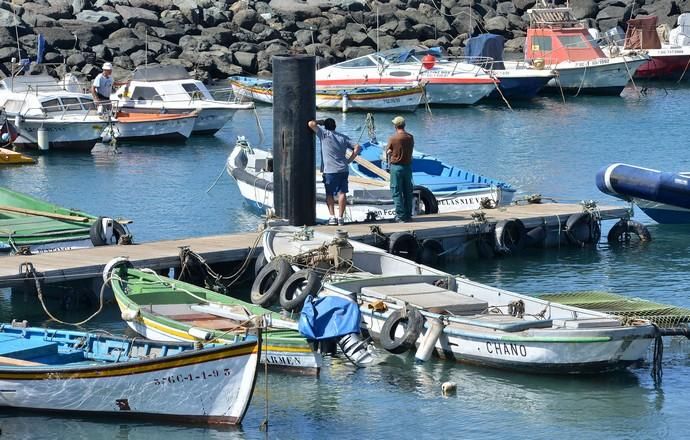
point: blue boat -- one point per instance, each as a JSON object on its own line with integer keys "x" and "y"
{"x": 518, "y": 80}
{"x": 663, "y": 196}
{"x": 96, "y": 374}
{"x": 454, "y": 188}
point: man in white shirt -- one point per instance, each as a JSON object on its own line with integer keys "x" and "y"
{"x": 102, "y": 87}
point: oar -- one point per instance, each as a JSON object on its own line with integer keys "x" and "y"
{"x": 371, "y": 167}
{"x": 74, "y": 218}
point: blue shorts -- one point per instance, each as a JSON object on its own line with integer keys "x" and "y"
{"x": 335, "y": 183}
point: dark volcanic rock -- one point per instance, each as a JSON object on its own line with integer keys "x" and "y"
{"x": 131, "y": 16}
{"x": 56, "y": 37}
{"x": 584, "y": 8}
{"x": 498, "y": 25}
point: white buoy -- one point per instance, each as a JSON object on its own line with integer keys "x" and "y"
{"x": 426, "y": 348}
{"x": 5, "y": 137}
{"x": 345, "y": 103}
{"x": 200, "y": 333}
{"x": 448, "y": 388}
{"x": 43, "y": 141}
{"x": 129, "y": 315}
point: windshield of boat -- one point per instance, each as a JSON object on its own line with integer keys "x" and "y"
{"x": 193, "y": 91}
{"x": 574, "y": 42}
{"x": 358, "y": 63}
{"x": 145, "y": 94}
{"x": 52, "y": 106}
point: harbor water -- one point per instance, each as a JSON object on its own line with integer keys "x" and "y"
{"x": 546, "y": 147}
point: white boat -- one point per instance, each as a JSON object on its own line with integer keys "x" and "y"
{"x": 402, "y": 98}
{"x": 557, "y": 41}
{"x": 94, "y": 374}
{"x": 445, "y": 81}
{"x": 407, "y": 305}
{"x": 49, "y": 117}
{"x": 151, "y": 126}
{"x": 170, "y": 89}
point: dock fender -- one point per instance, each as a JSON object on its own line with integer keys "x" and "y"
{"x": 413, "y": 323}
{"x": 259, "y": 263}
{"x": 298, "y": 286}
{"x": 510, "y": 235}
{"x": 403, "y": 244}
{"x": 113, "y": 264}
{"x": 266, "y": 288}
{"x": 121, "y": 234}
{"x": 427, "y": 200}
{"x": 620, "y": 232}
{"x": 97, "y": 233}
{"x": 431, "y": 252}
{"x": 536, "y": 236}
{"x": 582, "y": 228}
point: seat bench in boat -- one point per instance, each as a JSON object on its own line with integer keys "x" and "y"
{"x": 26, "y": 349}
{"x": 185, "y": 313}
{"x": 428, "y": 297}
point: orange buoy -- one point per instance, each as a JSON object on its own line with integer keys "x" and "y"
{"x": 428, "y": 61}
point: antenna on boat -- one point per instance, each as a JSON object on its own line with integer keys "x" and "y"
{"x": 377, "y": 28}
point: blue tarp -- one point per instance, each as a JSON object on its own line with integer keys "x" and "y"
{"x": 328, "y": 317}
{"x": 486, "y": 45}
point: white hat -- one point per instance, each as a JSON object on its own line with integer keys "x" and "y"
{"x": 398, "y": 121}
{"x": 107, "y": 66}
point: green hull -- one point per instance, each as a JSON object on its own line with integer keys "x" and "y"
{"x": 23, "y": 229}
{"x": 164, "y": 309}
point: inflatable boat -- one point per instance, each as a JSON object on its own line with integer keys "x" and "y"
{"x": 663, "y": 196}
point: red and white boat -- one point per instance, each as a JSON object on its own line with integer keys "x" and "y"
{"x": 446, "y": 81}
{"x": 556, "y": 40}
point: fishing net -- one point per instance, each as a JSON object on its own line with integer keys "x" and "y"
{"x": 663, "y": 315}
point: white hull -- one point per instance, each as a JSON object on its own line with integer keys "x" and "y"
{"x": 65, "y": 133}
{"x": 53, "y": 247}
{"x": 174, "y": 129}
{"x": 457, "y": 94}
{"x": 603, "y": 75}
{"x": 209, "y": 120}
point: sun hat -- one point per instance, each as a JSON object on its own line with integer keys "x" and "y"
{"x": 107, "y": 66}
{"x": 398, "y": 121}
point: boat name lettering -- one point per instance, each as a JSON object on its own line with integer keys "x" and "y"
{"x": 182, "y": 378}
{"x": 506, "y": 349}
{"x": 460, "y": 201}
{"x": 598, "y": 62}
{"x": 283, "y": 360}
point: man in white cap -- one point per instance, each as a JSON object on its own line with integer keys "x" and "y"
{"x": 399, "y": 152}
{"x": 102, "y": 87}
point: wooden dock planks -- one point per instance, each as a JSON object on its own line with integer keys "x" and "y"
{"x": 88, "y": 263}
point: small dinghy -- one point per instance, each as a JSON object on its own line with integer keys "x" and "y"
{"x": 164, "y": 309}
{"x": 152, "y": 126}
{"x": 407, "y": 306}
{"x": 663, "y": 196}
{"x": 94, "y": 374}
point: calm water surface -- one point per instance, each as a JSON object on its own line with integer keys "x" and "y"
{"x": 544, "y": 147}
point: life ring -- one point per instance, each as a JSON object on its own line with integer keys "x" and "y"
{"x": 536, "y": 236}
{"x": 298, "y": 286}
{"x": 113, "y": 265}
{"x": 269, "y": 281}
{"x": 510, "y": 236}
{"x": 427, "y": 200}
{"x": 430, "y": 253}
{"x": 582, "y": 229}
{"x": 620, "y": 232}
{"x": 403, "y": 244}
{"x": 413, "y": 322}
{"x": 259, "y": 263}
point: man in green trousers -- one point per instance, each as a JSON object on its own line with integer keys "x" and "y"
{"x": 399, "y": 152}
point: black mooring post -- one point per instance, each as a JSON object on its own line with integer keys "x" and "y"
{"x": 294, "y": 171}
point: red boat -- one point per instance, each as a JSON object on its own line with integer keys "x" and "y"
{"x": 669, "y": 61}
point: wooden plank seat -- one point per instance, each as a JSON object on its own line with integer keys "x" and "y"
{"x": 4, "y": 360}
{"x": 429, "y": 297}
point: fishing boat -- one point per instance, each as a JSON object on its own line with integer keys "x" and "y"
{"x": 669, "y": 59}
{"x": 557, "y": 41}
{"x": 152, "y": 127}
{"x": 445, "y": 81}
{"x": 49, "y": 117}
{"x": 663, "y": 196}
{"x": 405, "y": 98}
{"x": 170, "y": 89}
{"x": 516, "y": 80}
{"x": 164, "y": 309}
{"x": 453, "y": 188}
{"x": 30, "y": 225}
{"x": 93, "y": 374}
{"x": 409, "y": 306}
{"x": 8, "y": 134}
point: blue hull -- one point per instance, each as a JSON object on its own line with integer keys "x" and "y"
{"x": 668, "y": 216}
{"x": 519, "y": 88}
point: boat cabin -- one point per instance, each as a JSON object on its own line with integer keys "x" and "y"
{"x": 163, "y": 84}
{"x": 556, "y": 36}
{"x": 41, "y": 96}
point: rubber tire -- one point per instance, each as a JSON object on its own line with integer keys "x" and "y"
{"x": 536, "y": 236}
{"x": 627, "y": 226}
{"x": 428, "y": 199}
{"x": 510, "y": 236}
{"x": 266, "y": 288}
{"x": 430, "y": 251}
{"x": 415, "y": 325}
{"x": 484, "y": 249}
{"x": 574, "y": 223}
{"x": 292, "y": 300}
{"x": 403, "y": 244}
{"x": 119, "y": 231}
{"x": 259, "y": 263}
{"x": 96, "y": 233}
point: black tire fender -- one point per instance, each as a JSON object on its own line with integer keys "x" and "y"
{"x": 121, "y": 233}
{"x": 266, "y": 288}
{"x": 620, "y": 232}
{"x": 428, "y": 199}
{"x": 96, "y": 233}
{"x": 430, "y": 252}
{"x": 582, "y": 229}
{"x": 510, "y": 236}
{"x": 536, "y": 236}
{"x": 414, "y": 324}
{"x": 403, "y": 244}
{"x": 259, "y": 263}
{"x": 297, "y": 287}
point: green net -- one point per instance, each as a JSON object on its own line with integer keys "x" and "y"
{"x": 663, "y": 315}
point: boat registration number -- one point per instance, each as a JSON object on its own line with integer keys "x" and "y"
{"x": 598, "y": 62}
{"x": 182, "y": 378}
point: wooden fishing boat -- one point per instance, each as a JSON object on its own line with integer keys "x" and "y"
{"x": 93, "y": 374}
{"x": 152, "y": 127}
{"x": 405, "y": 304}
{"x": 30, "y": 224}
{"x": 163, "y": 309}
{"x": 9, "y": 157}
{"x": 346, "y": 98}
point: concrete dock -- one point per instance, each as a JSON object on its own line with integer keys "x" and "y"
{"x": 450, "y": 228}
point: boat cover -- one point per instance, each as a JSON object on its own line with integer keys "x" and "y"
{"x": 487, "y": 45}
{"x": 641, "y": 34}
{"x": 328, "y": 317}
{"x": 158, "y": 72}
{"x": 680, "y": 35}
